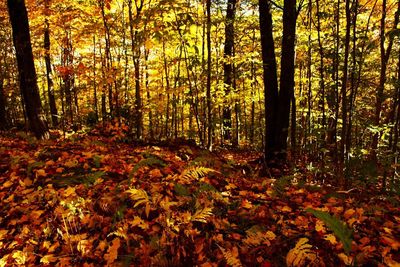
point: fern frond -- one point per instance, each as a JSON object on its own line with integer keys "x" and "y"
{"x": 301, "y": 254}
{"x": 338, "y": 227}
{"x": 120, "y": 232}
{"x": 147, "y": 162}
{"x": 231, "y": 256}
{"x": 257, "y": 236}
{"x": 139, "y": 196}
{"x": 195, "y": 173}
{"x": 202, "y": 215}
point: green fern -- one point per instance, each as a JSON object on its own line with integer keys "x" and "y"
{"x": 195, "y": 173}
{"x": 338, "y": 227}
{"x": 181, "y": 190}
{"x": 147, "y": 162}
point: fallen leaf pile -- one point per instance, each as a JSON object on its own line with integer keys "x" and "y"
{"x": 89, "y": 201}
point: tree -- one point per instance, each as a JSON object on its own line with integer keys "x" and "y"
{"x": 208, "y": 90}
{"x": 270, "y": 78}
{"x": 277, "y": 104}
{"x": 26, "y": 68}
{"x": 286, "y": 92}
{"x": 3, "y": 117}
{"x": 135, "y": 43}
{"x": 50, "y": 87}
{"x": 228, "y": 66}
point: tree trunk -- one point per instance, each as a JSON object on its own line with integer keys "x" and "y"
{"x": 50, "y": 88}
{"x": 26, "y": 68}
{"x": 3, "y": 114}
{"x": 136, "y": 62}
{"x": 228, "y": 67}
{"x": 270, "y": 79}
{"x": 108, "y": 58}
{"x": 287, "y": 73}
{"x": 343, "y": 151}
{"x": 321, "y": 67}
{"x": 353, "y": 85}
{"x": 94, "y": 81}
{"x": 208, "y": 92}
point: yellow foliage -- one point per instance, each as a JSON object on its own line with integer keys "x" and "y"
{"x": 202, "y": 214}
{"x": 302, "y": 255}
{"x": 255, "y": 238}
{"x": 139, "y": 196}
{"x": 231, "y": 256}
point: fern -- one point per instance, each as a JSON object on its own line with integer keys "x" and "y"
{"x": 257, "y": 236}
{"x": 195, "y": 173}
{"x": 150, "y": 161}
{"x": 280, "y": 185}
{"x": 231, "y": 256}
{"x": 147, "y": 162}
{"x": 181, "y": 190}
{"x": 301, "y": 254}
{"x": 201, "y": 215}
{"x": 338, "y": 227}
{"x": 139, "y": 196}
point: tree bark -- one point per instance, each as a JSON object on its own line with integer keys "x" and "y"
{"x": 208, "y": 90}
{"x": 136, "y": 62}
{"x": 50, "y": 88}
{"x": 287, "y": 73}
{"x": 228, "y": 67}
{"x": 270, "y": 79}
{"x": 3, "y": 114}
{"x": 26, "y": 68}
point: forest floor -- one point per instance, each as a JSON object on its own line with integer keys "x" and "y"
{"x": 93, "y": 200}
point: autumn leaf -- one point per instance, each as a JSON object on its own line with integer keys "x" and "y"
{"x": 48, "y": 259}
{"x": 112, "y": 251}
{"x": 20, "y": 257}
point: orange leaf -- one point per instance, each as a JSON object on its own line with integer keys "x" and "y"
{"x": 394, "y": 244}
{"x": 348, "y": 213}
{"x": 112, "y": 252}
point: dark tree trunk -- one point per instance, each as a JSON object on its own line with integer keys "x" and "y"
{"x": 50, "y": 88}
{"x": 94, "y": 81}
{"x": 26, "y": 68}
{"x": 270, "y": 79}
{"x": 343, "y": 92}
{"x": 108, "y": 58}
{"x": 228, "y": 67}
{"x": 287, "y": 73}
{"x": 353, "y": 85}
{"x": 3, "y": 114}
{"x": 68, "y": 75}
{"x": 136, "y": 62}
{"x": 321, "y": 67}
{"x": 208, "y": 92}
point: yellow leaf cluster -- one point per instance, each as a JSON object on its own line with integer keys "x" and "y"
{"x": 231, "y": 256}
{"x": 302, "y": 255}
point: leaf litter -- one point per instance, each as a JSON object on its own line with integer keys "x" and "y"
{"x": 91, "y": 201}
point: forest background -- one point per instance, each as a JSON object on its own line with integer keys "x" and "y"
{"x": 199, "y": 132}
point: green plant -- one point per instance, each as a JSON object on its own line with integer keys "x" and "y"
{"x": 338, "y": 227}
